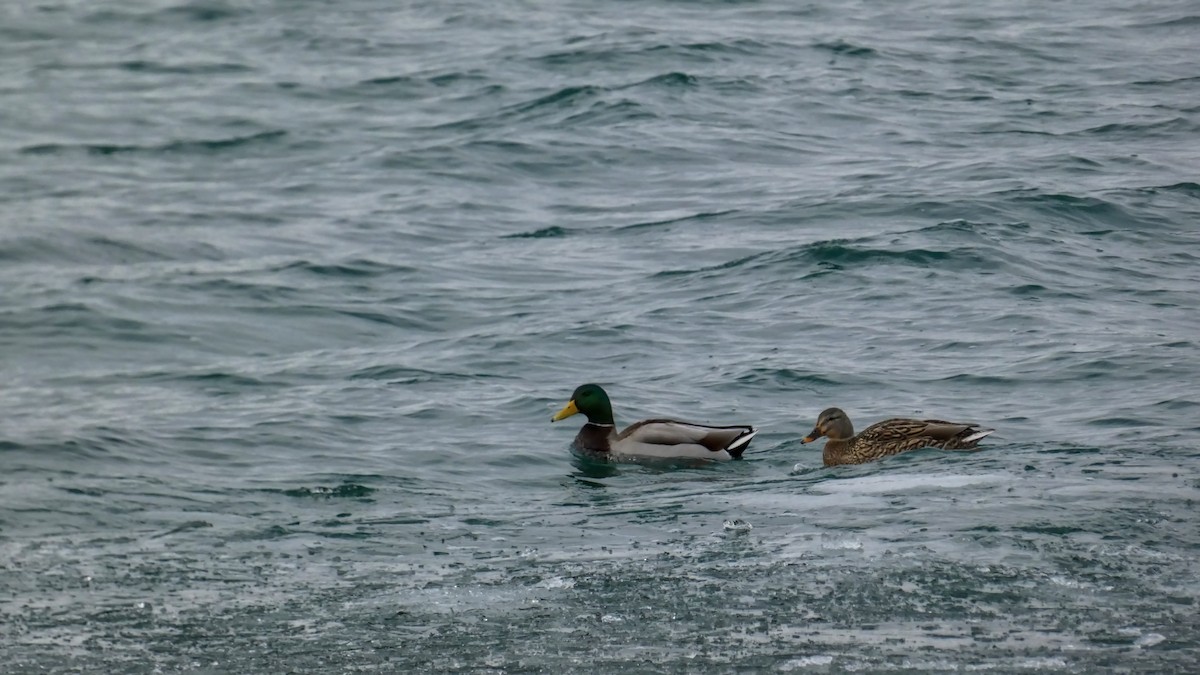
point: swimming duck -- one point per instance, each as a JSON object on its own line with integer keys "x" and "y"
{"x": 656, "y": 438}
{"x": 889, "y": 437}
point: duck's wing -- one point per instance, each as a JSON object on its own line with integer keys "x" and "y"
{"x": 957, "y": 435}
{"x": 673, "y": 438}
{"x": 908, "y": 434}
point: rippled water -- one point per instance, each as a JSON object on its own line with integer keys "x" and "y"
{"x": 291, "y": 290}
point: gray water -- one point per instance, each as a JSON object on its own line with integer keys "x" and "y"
{"x": 291, "y": 289}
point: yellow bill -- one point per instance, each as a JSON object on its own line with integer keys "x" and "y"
{"x": 568, "y": 410}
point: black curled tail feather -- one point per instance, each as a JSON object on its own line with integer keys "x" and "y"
{"x": 739, "y": 444}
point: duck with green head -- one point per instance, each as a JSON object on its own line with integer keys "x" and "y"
{"x": 889, "y": 437}
{"x": 654, "y": 438}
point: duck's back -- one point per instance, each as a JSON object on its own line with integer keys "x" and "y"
{"x": 897, "y": 435}
{"x": 674, "y": 438}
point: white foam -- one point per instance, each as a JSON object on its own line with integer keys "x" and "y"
{"x": 1042, "y": 663}
{"x": 737, "y": 525}
{"x": 556, "y": 582}
{"x": 817, "y": 660}
{"x": 841, "y": 544}
{"x": 907, "y": 481}
{"x": 1149, "y": 640}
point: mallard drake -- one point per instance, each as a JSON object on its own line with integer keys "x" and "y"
{"x": 889, "y": 437}
{"x": 657, "y": 438}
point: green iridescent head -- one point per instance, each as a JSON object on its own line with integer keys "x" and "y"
{"x": 590, "y": 400}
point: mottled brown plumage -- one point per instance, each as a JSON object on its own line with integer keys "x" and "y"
{"x": 889, "y": 437}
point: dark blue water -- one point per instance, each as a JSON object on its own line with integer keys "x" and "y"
{"x": 290, "y": 290}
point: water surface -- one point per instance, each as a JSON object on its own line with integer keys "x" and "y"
{"x": 291, "y": 290}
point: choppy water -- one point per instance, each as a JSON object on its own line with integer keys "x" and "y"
{"x": 291, "y": 289}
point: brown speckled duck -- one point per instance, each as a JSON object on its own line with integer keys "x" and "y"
{"x": 651, "y": 439}
{"x": 889, "y": 437}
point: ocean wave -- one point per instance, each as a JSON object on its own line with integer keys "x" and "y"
{"x": 667, "y": 81}
{"x": 190, "y": 11}
{"x": 551, "y": 232}
{"x": 1171, "y": 127}
{"x": 845, "y": 48}
{"x": 645, "y": 51}
{"x": 352, "y": 268}
{"x": 834, "y": 255}
{"x": 408, "y": 375}
{"x": 788, "y": 378}
{"x": 164, "y": 68}
{"x": 88, "y": 249}
{"x": 170, "y": 147}
{"x": 655, "y": 224}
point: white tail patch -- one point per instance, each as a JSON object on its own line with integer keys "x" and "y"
{"x": 741, "y": 441}
{"x": 982, "y": 433}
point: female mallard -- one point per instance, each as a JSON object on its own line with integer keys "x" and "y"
{"x": 662, "y": 439}
{"x": 889, "y": 437}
